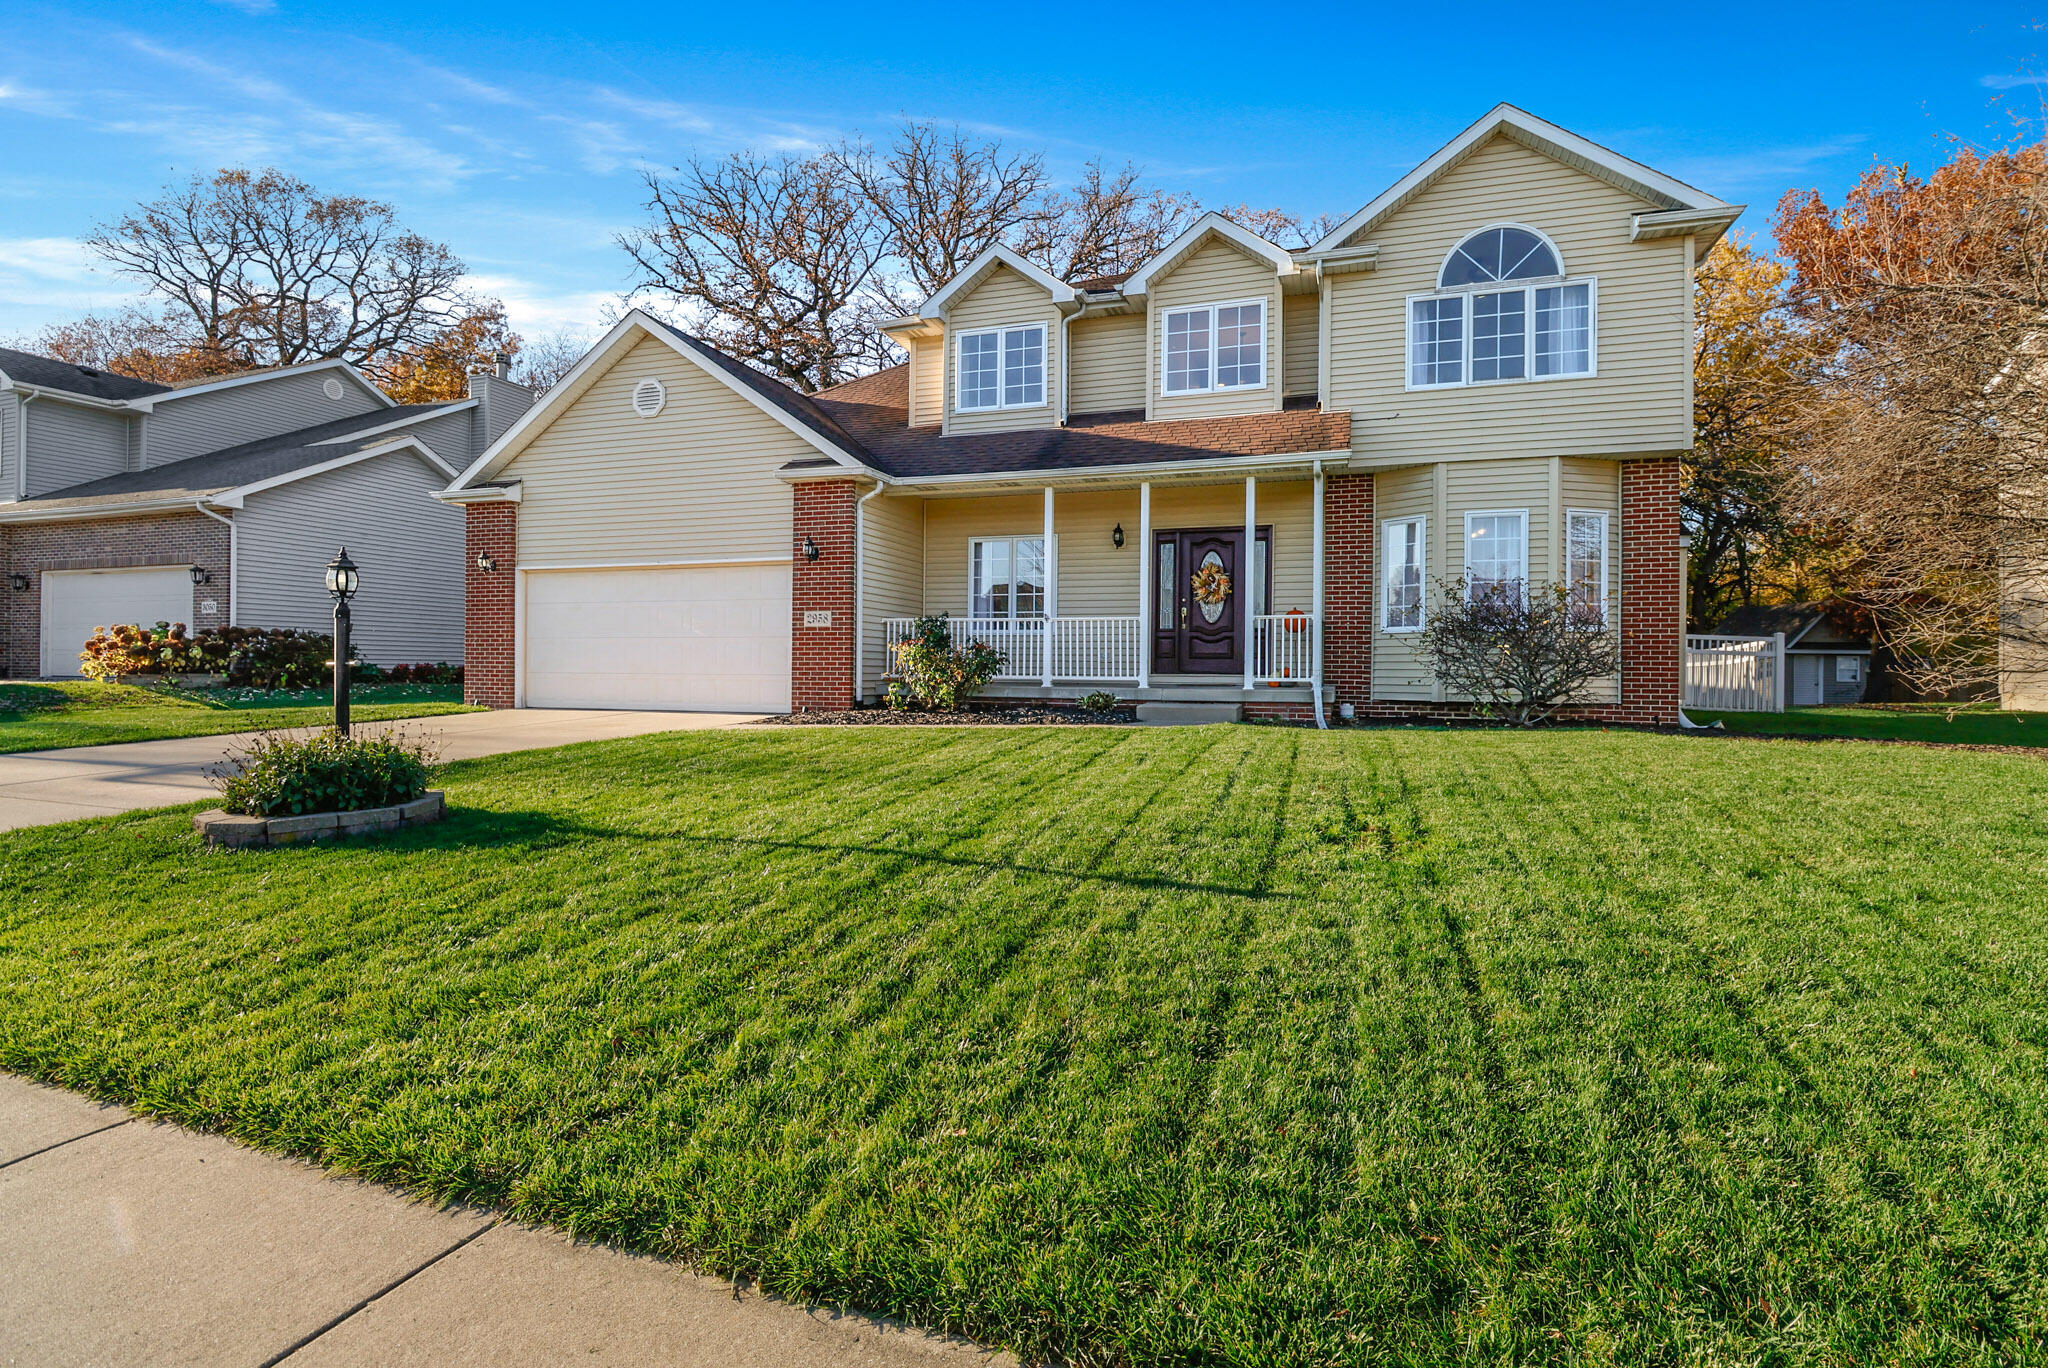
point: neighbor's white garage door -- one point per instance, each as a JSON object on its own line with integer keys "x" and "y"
{"x": 709, "y": 638}
{"x": 76, "y": 601}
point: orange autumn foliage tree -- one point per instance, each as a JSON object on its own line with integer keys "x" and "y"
{"x": 1923, "y": 433}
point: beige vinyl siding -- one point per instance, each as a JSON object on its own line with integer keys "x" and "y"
{"x": 408, "y": 543}
{"x": 1300, "y": 322}
{"x": 927, "y": 380}
{"x": 1003, "y": 299}
{"x": 1595, "y": 486}
{"x": 1107, "y": 371}
{"x": 1398, "y": 670}
{"x": 1095, "y": 577}
{"x": 199, "y": 423}
{"x": 695, "y": 482}
{"x": 1638, "y": 402}
{"x": 893, "y": 562}
{"x": 1216, "y": 273}
{"x": 69, "y": 445}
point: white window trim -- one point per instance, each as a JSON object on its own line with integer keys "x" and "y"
{"x": 1421, "y": 521}
{"x": 1044, "y": 368}
{"x": 1465, "y": 552}
{"x": 1528, "y": 375}
{"x": 1606, "y": 551}
{"x": 1045, "y": 560}
{"x": 1556, "y": 253}
{"x": 1265, "y": 346}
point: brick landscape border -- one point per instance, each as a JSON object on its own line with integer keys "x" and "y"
{"x": 220, "y": 828}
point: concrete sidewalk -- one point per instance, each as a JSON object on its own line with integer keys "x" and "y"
{"x": 126, "y": 1241}
{"x": 39, "y": 787}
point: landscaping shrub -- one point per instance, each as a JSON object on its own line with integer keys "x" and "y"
{"x": 939, "y": 675}
{"x": 1518, "y": 652}
{"x": 440, "y": 672}
{"x": 284, "y": 775}
{"x": 1099, "y": 702}
{"x": 272, "y": 657}
{"x": 114, "y": 653}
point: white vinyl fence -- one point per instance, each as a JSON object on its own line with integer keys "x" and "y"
{"x": 1735, "y": 673}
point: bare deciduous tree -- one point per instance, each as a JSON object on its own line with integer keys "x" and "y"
{"x": 1519, "y": 652}
{"x": 1108, "y": 223}
{"x": 259, "y": 268}
{"x": 944, "y": 199}
{"x": 1282, "y": 226}
{"x": 135, "y": 342}
{"x": 542, "y": 362}
{"x": 774, "y": 256}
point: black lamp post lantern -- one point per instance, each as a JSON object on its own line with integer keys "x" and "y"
{"x": 341, "y": 584}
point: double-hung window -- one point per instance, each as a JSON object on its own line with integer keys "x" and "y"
{"x": 1006, "y": 578}
{"x": 1497, "y": 552}
{"x": 1405, "y": 552}
{"x": 1001, "y": 368}
{"x": 1216, "y": 347}
{"x": 1585, "y": 565}
{"x": 1485, "y": 324}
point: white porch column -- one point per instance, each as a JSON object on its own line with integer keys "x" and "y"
{"x": 1249, "y": 573}
{"x": 1316, "y": 624}
{"x": 1147, "y": 558}
{"x": 1052, "y": 593}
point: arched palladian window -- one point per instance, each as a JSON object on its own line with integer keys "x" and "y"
{"x": 1502, "y": 310}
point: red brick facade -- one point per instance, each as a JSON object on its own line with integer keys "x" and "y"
{"x": 1652, "y": 569}
{"x": 489, "y": 648}
{"x": 1348, "y": 532}
{"x": 187, "y": 538}
{"x": 821, "y": 655}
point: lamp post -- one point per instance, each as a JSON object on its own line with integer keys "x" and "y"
{"x": 341, "y": 583}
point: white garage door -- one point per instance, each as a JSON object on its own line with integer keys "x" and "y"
{"x": 76, "y": 601}
{"x": 707, "y": 638}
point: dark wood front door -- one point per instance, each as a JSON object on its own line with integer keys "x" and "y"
{"x": 1198, "y": 623}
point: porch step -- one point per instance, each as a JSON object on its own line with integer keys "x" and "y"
{"x": 1189, "y": 714}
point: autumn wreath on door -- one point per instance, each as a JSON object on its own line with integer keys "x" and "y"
{"x": 1212, "y": 586}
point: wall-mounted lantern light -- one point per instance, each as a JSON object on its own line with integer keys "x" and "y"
{"x": 1116, "y": 538}
{"x": 484, "y": 562}
{"x": 201, "y": 575}
{"x": 810, "y": 548}
{"x": 20, "y": 583}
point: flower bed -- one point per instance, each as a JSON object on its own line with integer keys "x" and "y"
{"x": 1024, "y": 715}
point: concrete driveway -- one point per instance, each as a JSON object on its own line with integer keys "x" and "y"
{"x": 40, "y": 787}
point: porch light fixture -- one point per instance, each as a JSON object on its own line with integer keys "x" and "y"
{"x": 810, "y": 548}
{"x": 201, "y": 575}
{"x": 484, "y": 562}
{"x": 1116, "y": 538}
{"x": 20, "y": 583}
{"x": 342, "y": 582}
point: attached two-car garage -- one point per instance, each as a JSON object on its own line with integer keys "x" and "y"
{"x": 710, "y": 637}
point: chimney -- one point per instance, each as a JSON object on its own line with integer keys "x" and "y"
{"x": 502, "y": 365}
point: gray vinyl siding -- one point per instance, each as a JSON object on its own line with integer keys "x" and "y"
{"x": 199, "y": 423}
{"x": 69, "y": 445}
{"x": 10, "y": 445}
{"x": 893, "y": 561}
{"x": 450, "y": 436}
{"x": 409, "y": 545}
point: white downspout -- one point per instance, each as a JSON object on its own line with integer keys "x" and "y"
{"x": 1066, "y": 357}
{"x": 234, "y": 565}
{"x": 21, "y": 454}
{"x": 860, "y": 593}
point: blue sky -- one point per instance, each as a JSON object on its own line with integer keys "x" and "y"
{"x": 516, "y": 132}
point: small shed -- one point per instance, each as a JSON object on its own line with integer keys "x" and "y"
{"x": 1826, "y": 661}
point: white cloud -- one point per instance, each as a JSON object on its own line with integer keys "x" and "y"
{"x": 2012, "y": 81}
{"x": 1764, "y": 168}
{"x": 537, "y": 311}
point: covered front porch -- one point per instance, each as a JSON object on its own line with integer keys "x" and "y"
{"x": 1185, "y": 588}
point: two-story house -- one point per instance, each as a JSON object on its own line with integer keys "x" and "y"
{"x": 220, "y": 503}
{"x": 1242, "y": 473}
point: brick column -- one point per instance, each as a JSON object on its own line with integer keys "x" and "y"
{"x": 821, "y": 654}
{"x": 490, "y": 642}
{"x": 1652, "y": 574}
{"x": 1348, "y": 534}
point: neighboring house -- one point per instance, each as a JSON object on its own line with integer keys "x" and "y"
{"x": 1240, "y": 473}
{"x": 220, "y": 503}
{"x": 1824, "y": 661}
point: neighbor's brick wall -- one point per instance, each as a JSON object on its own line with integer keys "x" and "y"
{"x": 1347, "y": 590}
{"x": 189, "y": 538}
{"x": 821, "y": 658}
{"x": 489, "y": 646}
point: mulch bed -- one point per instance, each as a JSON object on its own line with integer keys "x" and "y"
{"x": 1023, "y": 715}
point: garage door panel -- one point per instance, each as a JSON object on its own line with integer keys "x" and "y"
{"x": 712, "y": 638}
{"x": 74, "y": 602}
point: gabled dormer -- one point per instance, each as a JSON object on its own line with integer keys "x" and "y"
{"x": 987, "y": 349}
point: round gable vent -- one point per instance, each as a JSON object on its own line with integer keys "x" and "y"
{"x": 648, "y": 397}
{"x": 331, "y": 388}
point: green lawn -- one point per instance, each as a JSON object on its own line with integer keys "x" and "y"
{"x": 1976, "y": 724}
{"x": 50, "y": 714}
{"x": 1218, "y": 1045}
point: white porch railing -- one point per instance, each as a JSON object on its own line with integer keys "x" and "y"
{"x": 1735, "y": 673}
{"x": 1088, "y": 648}
{"x": 1283, "y": 648}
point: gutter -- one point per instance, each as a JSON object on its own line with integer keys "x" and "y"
{"x": 234, "y": 562}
